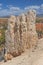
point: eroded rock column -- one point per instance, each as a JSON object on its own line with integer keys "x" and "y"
{"x": 32, "y": 34}
{"x": 9, "y": 35}
{"x": 23, "y": 31}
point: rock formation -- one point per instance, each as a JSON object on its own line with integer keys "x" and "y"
{"x": 31, "y": 29}
{"x": 21, "y": 33}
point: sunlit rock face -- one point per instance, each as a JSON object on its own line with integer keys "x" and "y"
{"x": 21, "y": 33}
{"x": 9, "y": 34}
{"x": 31, "y": 29}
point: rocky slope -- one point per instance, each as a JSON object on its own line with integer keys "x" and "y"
{"x": 29, "y": 57}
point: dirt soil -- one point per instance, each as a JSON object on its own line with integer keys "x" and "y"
{"x": 30, "y": 57}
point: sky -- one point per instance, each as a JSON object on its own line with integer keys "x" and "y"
{"x": 15, "y": 7}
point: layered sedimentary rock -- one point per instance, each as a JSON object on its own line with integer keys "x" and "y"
{"x": 21, "y": 33}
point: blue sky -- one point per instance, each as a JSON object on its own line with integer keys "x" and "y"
{"x": 14, "y": 7}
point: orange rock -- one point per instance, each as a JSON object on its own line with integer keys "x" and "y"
{"x": 8, "y": 57}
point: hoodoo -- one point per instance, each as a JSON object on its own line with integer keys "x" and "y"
{"x": 21, "y": 33}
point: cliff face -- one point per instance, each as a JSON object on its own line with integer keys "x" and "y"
{"x": 21, "y": 33}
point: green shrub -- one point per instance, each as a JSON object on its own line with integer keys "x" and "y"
{"x": 2, "y": 37}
